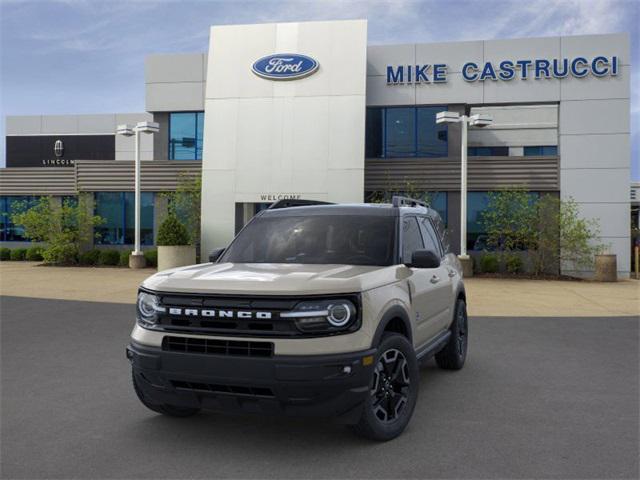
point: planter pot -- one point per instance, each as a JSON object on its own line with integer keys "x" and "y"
{"x": 176, "y": 256}
{"x": 606, "y": 268}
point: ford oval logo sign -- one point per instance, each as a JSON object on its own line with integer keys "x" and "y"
{"x": 285, "y": 66}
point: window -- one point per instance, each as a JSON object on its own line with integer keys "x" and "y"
{"x": 488, "y": 151}
{"x": 541, "y": 151}
{"x": 315, "y": 239}
{"x": 411, "y": 238}
{"x": 477, "y": 202}
{"x": 438, "y": 201}
{"x": 117, "y": 209}
{"x": 429, "y": 236}
{"x": 9, "y": 232}
{"x": 405, "y": 132}
{"x": 185, "y": 135}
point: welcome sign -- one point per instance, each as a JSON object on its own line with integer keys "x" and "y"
{"x": 506, "y": 70}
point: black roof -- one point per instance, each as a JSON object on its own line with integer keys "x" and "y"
{"x": 370, "y": 209}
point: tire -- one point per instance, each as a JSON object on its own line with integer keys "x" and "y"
{"x": 454, "y": 354}
{"x": 169, "y": 410}
{"x": 393, "y": 390}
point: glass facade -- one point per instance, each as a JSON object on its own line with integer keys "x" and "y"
{"x": 405, "y": 132}
{"x": 9, "y": 232}
{"x": 488, "y": 151}
{"x": 185, "y": 135}
{"x": 541, "y": 151}
{"x": 117, "y": 209}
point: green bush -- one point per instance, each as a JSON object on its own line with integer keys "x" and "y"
{"x": 5, "y": 254}
{"x": 18, "y": 254}
{"x": 90, "y": 257}
{"x": 34, "y": 254}
{"x": 64, "y": 228}
{"x": 151, "y": 256}
{"x": 172, "y": 232}
{"x": 124, "y": 258}
{"x": 489, "y": 263}
{"x": 61, "y": 254}
{"x": 109, "y": 257}
{"x": 514, "y": 264}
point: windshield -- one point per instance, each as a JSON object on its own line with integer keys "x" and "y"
{"x": 318, "y": 239}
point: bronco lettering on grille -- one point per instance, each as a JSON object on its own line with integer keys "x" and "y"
{"x": 244, "y": 314}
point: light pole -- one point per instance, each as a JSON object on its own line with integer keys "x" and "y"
{"x": 136, "y": 259}
{"x": 477, "y": 120}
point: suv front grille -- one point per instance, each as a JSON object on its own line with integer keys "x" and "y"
{"x": 229, "y": 389}
{"x": 258, "y": 316}
{"x": 217, "y": 347}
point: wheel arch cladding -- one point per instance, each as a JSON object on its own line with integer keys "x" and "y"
{"x": 396, "y": 320}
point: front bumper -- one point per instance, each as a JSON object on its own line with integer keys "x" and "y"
{"x": 314, "y": 385}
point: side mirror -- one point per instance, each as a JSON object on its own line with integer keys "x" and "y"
{"x": 216, "y": 254}
{"x": 424, "y": 259}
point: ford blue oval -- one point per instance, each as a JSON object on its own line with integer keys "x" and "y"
{"x": 284, "y": 66}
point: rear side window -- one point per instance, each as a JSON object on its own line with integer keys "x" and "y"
{"x": 442, "y": 233}
{"x": 430, "y": 237}
{"x": 411, "y": 238}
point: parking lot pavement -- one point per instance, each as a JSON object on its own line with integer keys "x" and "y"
{"x": 539, "y": 397}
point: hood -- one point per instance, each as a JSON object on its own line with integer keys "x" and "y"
{"x": 271, "y": 278}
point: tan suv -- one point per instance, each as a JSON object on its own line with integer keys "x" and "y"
{"x": 313, "y": 309}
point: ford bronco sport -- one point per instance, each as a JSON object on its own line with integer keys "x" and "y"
{"x": 313, "y": 309}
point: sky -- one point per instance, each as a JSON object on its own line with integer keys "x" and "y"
{"x": 87, "y": 56}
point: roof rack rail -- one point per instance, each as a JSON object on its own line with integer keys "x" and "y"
{"x": 291, "y": 202}
{"x": 400, "y": 201}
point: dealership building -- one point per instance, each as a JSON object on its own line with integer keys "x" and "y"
{"x": 309, "y": 110}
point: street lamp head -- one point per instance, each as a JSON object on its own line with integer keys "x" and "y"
{"x": 447, "y": 117}
{"x": 124, "y": 129}
{"x": 148, "y": 127}
{"x": 480, "y": 120}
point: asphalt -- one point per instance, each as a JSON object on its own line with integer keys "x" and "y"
{"x": 539, "y": 397}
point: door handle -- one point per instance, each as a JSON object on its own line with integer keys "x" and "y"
{"x": 452, "y": 273}
{"x": 435, "y": 279}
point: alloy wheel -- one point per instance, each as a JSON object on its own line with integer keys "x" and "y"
{"x": 391, "y": 383}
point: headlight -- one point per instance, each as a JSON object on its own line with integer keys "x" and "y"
{"x": 148, "y": 308}
{"x": 323, "y": 315}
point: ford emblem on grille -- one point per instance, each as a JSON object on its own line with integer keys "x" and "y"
{"x": 285, "y": 66}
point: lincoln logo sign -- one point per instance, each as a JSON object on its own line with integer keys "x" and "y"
{"x": 505, "y": 70}
{"x": 285, "y": 66}
{"x": 58, "y": 148}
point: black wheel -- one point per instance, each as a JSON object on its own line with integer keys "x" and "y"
{"x": 453, "y": 355}
{"x": 394, "y": 390}
{"x": 169, "y": 410}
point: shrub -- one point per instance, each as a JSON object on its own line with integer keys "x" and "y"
{"x": 5, "y": 254}
{"x": 64, "y": 227}
{"x": 172, "y": 232}
{"x": 489, "y": 263}
{"x": 151, "y": 256}
{"x": 34, "y": 254}
{"x": 109, "y": 257}
{"x": 514, "y": 263}
{"x": 124, "y": 258}
{"x": 90, "y": 257}
{"x": 61, "y": 254}
{"x": 18, "y": 254}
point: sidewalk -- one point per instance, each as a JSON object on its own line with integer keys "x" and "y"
{"x": 486, "y": 297}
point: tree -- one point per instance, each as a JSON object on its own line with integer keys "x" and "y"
{"x": 63, "y": 227}
{"x": 184, "y": 203}
{"x": 509, "y": 219}
{"x": 551, "y": 229}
